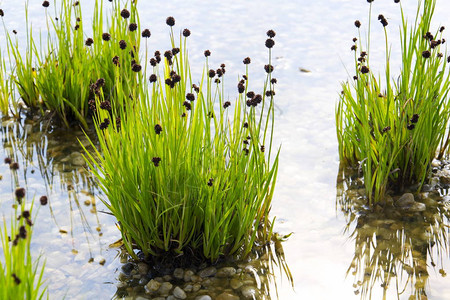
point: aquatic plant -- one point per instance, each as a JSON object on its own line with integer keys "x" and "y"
{"x": 393, "y": 126}
{"x": 20, "y": 276}
{"x": 62, "y": 77}
{"x": 178, "y": 172}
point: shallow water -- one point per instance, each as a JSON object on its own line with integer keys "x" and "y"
{"x": 314, "y": 35}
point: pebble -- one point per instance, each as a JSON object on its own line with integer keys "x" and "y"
{"x": 187, "y": 275}
{"x": 179, "y": 293}
{"x": 178, "y": 273}
{"x": 153, "y": 285}
{"x": 236, "y": 283}
{"x": 188, "y": 288}
{"x": 203, "y": 297}
{"x": 196, "y": 287}
{"x": 142, "y": 268}
{"x": 127, "y": 268}
{"x": 249, "y": 292}
{"x": 165, "y": 288}
{"x": 207, "y": 272}
{"x": 226, "y": 272}
{"x": 405, "y": 200}
{"x": 227, "y": 296}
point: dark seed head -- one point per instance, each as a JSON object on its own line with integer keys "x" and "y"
{"x": 262, "y": 148}
{"x": 426, "y": 54}
{"x": 415, "y": 118}
{"x": 106, "y": 105}
{"x": 270, "y": 93}
{"x": 186, "y": 32}
{"x": 365, "y": 69}
{"x": 241, "y": 88}
{"x": 226, "y": 104}
{"x": 132, "y": 27}
{"x": 190, "y": 97}
{"x": 146, "y": 33}
{"x": 168, "y": 54}
{"x": 20, "y": 193}
{"x": 106, "y": 36}
{"x": 353, "y": 48}
{"x": 170, "y": 21}
{"x": 268, "y": 68}
{"x": 442, "y": 28}
{"x": 210, "y": 182}
{"x": 115, "y": 60}
{"x": 136, "y": 68}
{"x": 8, "y": 160}
{"x": 158, "y": 129}
{"x": 207, "y": 53}
{"x": 176, "y": 78}
{"x": 45, "y": 4}
{"x": 357, "y": 23}
{"x": 270, "y": 43}
{"x": 14, "y": 166}
{"x": 43, "y": 200}
{"x": 273, "y": 81}
{"x": 271, "y": 33}
{"x": 196, "y": 88}
{"x": 2, "y": 13}
{"x": 251, "y": 94}
{"x": 26, "y": 214}
{"x": 245, "y": 125}
{"x": 125, "y": 13}
{"x": 211, "y": 73}
{"x": 247, "y": 61}
{"x": 411, "y": 126}
{"x": 153, "y": 62}
{"x": 122, "y": 44}
{"x": 156, "y": 161}
{"x": 175, "y": 51}
{"x": 187, "y": 105}
{"x": 22, "y": 232}
{"x": 153, "y": 78}
{"x": 16, "y": 279}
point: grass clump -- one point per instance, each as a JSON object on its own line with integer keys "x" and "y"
{"x": 393, "y": 126}
{"x": 181, "y": 170}
{"x": 20, "y": 277}
{"x": 63, "y": 74}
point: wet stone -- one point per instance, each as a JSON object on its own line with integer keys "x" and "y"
{"x": 227, "y": 296}
{"x": 188, "y": 288}
{"x": 203, "y": 297}
{"x": 165, "y": 288}
{"x": 405, "y": 200}
{"x": 196, "y": 287}
{"x": 153, "y": 285}
{"x": 236, "y": 283}
{"x": 178, "y": 273}
{"x": 226, "y": 272}
{"x": 143, "y": 281}
{"x": 179, "y": 293}
{"x": 142, "y": 268}
{"x": 127, "y": 268}
{"x": 171, "y": 297}
{"x": 167, "y": 278}
{"x": 207, "y": 272}
{"x": 249, "y": 292}
{"x": 187, "y": 275}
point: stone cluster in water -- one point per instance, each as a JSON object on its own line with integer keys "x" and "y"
{"x": 204, "y": 283}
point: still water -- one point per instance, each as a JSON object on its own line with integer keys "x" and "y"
{"x": 311, "y": 35}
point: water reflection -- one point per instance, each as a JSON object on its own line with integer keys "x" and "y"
{"x": 395, "y": 249}
{"x": 69, "y": 229}
{"x": 251, "y": 278}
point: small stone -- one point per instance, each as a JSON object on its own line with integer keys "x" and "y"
{"x": 127, "y": 268}
{"x": 418, "y": 206}
{"x": 227, "y": 296}
{"x": 171, "y": 297}
{"x": 179, "y": 293}
{"x": 226, "y": 272}
{"x": 167, "y": 278}
{"x": 249, "y": 292}
{"x": 196, "y": 278}
{"x": 143, "y": 281}
{"x": 207, "y": 272}
{"x": 405, "y": 200}
{"x": 153, "y": 285}
{"x": 203, "y": 297}
{"x": 187, "y": 275}
{"x": 188, "y": 288}
{"x": 436, "y": 163}
{"x": 77, "y": 159}
{"x": 236, "y": 283}
{"x": 196, "y": 287}
{"x": 178, "y": 273}
{"x": 142, "y": 268}
{"x": 165, "y": 288}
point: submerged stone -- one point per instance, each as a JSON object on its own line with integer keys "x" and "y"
{"x": 179, "y": 293}
{"x": 207, "y": 272}
{"x": 226, "y": 272}
{"x": 227, "y": 296}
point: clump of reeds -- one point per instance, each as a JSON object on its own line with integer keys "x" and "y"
{"x": 393, "y": 126}
{"x": 182, "y": 167}
{"x": 63, "y": 76}
{"x": 20, "y": 276}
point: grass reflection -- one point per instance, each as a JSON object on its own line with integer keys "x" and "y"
{"x": 50, "y": 156}
{"x": 395, "y": 250}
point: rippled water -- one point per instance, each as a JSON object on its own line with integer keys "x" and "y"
{"x": 314, "y": 35}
